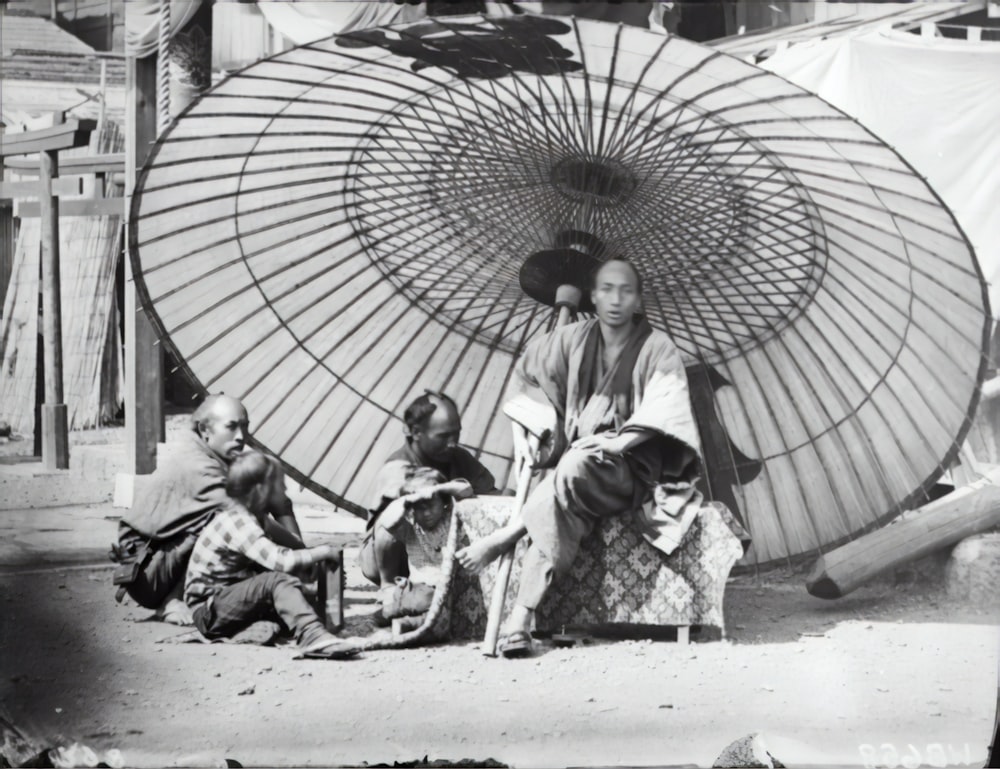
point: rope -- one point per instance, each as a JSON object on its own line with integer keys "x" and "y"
{"x": 425, "y": 633}
{"x": 163, "y": 68}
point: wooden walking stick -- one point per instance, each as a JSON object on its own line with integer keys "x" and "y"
{"x": 529, "y": 434}
{"x": 526, "y": 447}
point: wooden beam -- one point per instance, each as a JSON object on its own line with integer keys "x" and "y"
{"x": 966, "y": 511}
{"x": 72, "y": 133}
{"x": 90, "y": 164}
{"x": 144, "y": 425}
{"x": 82, "y": 207}
{"x": 64, "y": 185}
{"x": 55, "y": 434}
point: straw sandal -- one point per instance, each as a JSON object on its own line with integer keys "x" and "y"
{"x": 517, "y": 644}
{"x": 328, "y": 649}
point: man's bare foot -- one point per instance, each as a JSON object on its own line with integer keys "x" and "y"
{"x": 520, "y": 619}
{"x": 482, "y": 552}
{"x": 174, "y": 611}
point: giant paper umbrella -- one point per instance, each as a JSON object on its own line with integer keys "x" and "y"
{"x": 329, "y": 231}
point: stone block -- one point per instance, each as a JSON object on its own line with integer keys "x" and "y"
{"x": 972, "y": 572}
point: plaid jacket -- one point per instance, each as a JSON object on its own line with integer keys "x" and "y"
{"x": 232, "y": 548}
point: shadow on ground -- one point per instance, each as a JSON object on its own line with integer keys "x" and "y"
{"x": 52, "y": 667}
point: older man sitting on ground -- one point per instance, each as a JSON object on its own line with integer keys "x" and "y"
{"x": 156, "y": 537}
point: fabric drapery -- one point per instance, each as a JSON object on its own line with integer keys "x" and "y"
{"x": 142, "y": 23}
{"x": 305, "y": 22}
{"x": 935, "y": 101}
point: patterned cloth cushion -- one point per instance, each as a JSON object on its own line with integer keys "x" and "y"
{"x": 617, "y": 577}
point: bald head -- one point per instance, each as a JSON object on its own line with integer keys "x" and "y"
{"x": 618, "y": 266}
{"x": 221, "y": 422}
{"x": 433, "y": 426}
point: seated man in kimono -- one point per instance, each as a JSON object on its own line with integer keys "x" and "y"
{"x": 620, "y": 392}
{"x": 432, "y": 428}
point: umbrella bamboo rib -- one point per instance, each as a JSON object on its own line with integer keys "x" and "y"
{"x": 360, "y": 325}
{"x": 787, "y": 448}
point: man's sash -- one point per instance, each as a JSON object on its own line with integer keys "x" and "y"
{"x": 607, "y": 404}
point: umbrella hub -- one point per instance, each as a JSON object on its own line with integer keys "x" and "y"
{"x": 596, "y": 180}
{"x": 560, "y": 277}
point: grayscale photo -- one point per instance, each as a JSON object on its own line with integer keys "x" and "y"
{"x": 486, "y": 383}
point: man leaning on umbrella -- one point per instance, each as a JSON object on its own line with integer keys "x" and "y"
{"x": 620, "y": 392}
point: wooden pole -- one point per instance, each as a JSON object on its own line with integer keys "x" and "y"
{"x": 966, "y": 511}
{"x": 6, "y": 238}
{"x": 55, "y": 434}
{"x": 568, "y": 299}
{"x": 144, "y": 426}
{"x": 109, "y": 15}
{"x": 504, "y": 565}
{"x": 144, "y": 378}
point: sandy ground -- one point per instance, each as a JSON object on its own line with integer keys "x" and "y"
{"x": 894, "y": 674}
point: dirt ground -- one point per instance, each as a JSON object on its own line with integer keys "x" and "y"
{"x": 894, "y": 674}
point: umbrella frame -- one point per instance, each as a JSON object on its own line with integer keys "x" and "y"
{"x": 918, "y": 496}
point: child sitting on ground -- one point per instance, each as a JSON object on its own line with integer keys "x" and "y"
{"x": 237, "y": 576}
{"x": 419, "y": 519}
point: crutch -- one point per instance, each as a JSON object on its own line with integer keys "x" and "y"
{"x": 526, "y": 446}
{"x": 528, "y": 437}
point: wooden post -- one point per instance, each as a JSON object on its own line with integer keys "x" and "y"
{"x": 51, "y": 438}
{"x": 6, "y": 238}
{"x": 55, "y": 434}
{"x": 330, "y": 596}
{"x": 144, "y": 426}
{"x": 144, "y": 379}
{"x": 109, "y": 14}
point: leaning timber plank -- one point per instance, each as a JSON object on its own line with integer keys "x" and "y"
{"x": 86, "y": 164}
{"x": 966, "y": 511}
{"x": 71, "y": 133}
{"x": 72, "y": 185}
{"x": 82, "y": 207}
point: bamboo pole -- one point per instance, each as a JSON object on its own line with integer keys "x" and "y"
{"x": 6, "y": 237}
{"x": 163, "y": 68}
{"x": 55, "y": 435}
